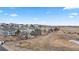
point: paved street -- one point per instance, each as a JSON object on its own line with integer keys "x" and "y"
{"x": 2, "y": 48}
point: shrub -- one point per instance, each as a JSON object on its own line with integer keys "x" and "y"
{"x": 36, "y": 32}
{"x": 56, "y": 29}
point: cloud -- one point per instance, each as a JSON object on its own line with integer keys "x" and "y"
{"x": 13, "y": 15}
{"x": 5, "y": 14}
{"x": 35, "y": 18}
{"x": 72, "y": 15}
{"x": 1, "y": 11}
{"x": 7, "y": 19}
{"x": 10, "y": 19}
{"x": 69, "y": 8}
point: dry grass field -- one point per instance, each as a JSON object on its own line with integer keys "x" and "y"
{"x": 50, "y": 42}
{"x": 54, "y": 41}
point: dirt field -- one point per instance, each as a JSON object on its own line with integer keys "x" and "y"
{"x": 55, "y": 41}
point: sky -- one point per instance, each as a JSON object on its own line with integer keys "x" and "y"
{"x": 40, "y": 15}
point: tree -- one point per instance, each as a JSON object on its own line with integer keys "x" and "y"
{"x": 44, "y": 30}
{"x": 56, "y": 29}
{"x": 36, "y": 32}
{"x": 17, "y": 32}
{"x": 50, "y": 30}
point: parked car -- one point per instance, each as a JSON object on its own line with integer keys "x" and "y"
{"x": 2, "y": 42}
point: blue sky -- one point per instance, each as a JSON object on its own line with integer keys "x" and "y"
{"x": 40, "y": 15}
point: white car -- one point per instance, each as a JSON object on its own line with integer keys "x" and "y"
{"x": 2, "y": 42}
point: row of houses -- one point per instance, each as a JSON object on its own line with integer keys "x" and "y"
{"x": 11, "y": 29}
{"x": 8, "y": 32}
{"x": 25, "y": 31}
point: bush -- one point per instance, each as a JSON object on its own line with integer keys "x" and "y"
{"x": 77, "y": 33}
{"x": 50, "y": 30}
{"x": 56, "y": 29}
{"x": 17, "y": 32}
{"x": 36, "y": 32}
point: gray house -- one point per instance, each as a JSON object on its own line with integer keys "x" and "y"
{"x": 8, "y": 32}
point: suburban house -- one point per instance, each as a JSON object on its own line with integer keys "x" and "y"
{"x": 8, "y": 32}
